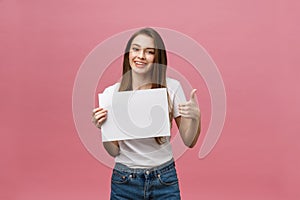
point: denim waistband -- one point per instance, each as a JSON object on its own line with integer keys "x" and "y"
{"x": 159, "y": 169}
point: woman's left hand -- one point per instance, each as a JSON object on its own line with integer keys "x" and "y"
{"x": 190, "y": 109}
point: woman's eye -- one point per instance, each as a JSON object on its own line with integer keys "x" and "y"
{"x": 150, "y": 52}
{"x": 135, "y": 49}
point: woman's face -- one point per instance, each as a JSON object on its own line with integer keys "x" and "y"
{"x": 141, "y": 54}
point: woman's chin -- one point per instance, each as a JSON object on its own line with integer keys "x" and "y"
{"x": 141, "y": 70}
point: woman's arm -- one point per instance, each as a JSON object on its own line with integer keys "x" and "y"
{"x": 189, "y": 123}
{"x": 189, "y": 130}
{"x": 112, "y": 148}
{"x": 98, "y": 118}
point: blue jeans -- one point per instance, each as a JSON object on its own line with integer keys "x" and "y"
{"x": 155, "y": 183}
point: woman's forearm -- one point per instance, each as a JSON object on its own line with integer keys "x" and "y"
{"x": 189, "y": 130}
{"x": 112, "y": 148}
{"x": 193, "y": 132}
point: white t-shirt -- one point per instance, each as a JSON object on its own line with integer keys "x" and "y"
{"x": 146, "y": 152}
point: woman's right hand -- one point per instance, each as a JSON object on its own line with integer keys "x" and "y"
{"x": 99, "y": 116}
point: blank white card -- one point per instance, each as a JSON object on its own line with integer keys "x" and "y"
{"x": 135, "y": 114}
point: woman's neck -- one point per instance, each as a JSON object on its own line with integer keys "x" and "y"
{"x": 140, "y": 82}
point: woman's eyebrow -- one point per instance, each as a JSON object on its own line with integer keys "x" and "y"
{"x": 145, "y": 48}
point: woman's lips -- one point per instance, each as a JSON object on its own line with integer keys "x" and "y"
{"x": 139, "y": 64}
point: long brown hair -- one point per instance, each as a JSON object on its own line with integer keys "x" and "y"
{"x": 158, "y": 70}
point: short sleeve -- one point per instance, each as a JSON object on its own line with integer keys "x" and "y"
{"x": 179, "y": 98}
{"x": 176, "y": 94}
{"x": 111, "y": 89}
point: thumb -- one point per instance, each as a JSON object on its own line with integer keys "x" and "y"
{"x": 192, "y": 96}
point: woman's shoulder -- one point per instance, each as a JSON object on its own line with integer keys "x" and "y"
{"x": 112, "y": 88}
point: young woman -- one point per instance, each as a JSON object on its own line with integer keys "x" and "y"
{"x": 145, "y": 168}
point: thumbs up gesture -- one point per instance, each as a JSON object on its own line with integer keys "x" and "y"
{"x": 190, "y": 109}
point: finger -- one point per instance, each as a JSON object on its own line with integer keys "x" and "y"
{"x": 187, "y": 105}
{"x": 183, "y": 108}
{"x": 95, "y": 110}
{"x": 100, "y": 122}
{"x": 100, "y": 112}
{"x": 183, "y": 105}
{"x": 100, "y": 115}
{"x": 188, "y": 115}
{"x": 192, "y": 95}
{"x": 183, "y": 112}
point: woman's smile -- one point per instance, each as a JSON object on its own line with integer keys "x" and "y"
{"x": 139, "y": 64}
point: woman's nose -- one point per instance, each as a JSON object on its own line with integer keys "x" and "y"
{"x": 141, "y": 54}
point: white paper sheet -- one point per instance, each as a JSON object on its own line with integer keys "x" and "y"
{"x": 135, "y": 114}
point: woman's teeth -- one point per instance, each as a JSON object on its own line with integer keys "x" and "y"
{"x": 139, "y": 64}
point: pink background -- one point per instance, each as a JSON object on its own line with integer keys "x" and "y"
{"x": 255, "y": 44}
